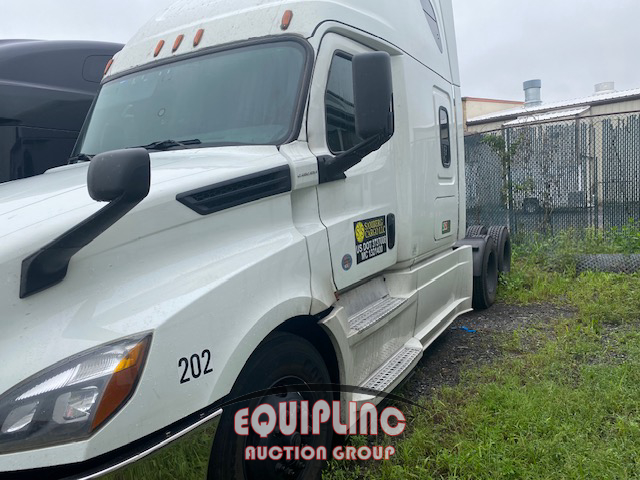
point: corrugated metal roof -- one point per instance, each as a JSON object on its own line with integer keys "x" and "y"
{"x": 595, "y": 99}
{"x": 541, "y": 117}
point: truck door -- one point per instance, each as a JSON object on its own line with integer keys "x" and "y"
{"x": 438, "y": 220}
{"x": 359, "y": 212}
{"x": 436, "y": 167}
{"x": 444, "y": 162}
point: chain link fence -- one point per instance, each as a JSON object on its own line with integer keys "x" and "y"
{"x": 543, "y": 178}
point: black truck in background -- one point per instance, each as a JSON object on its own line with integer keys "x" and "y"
{"x": 46, "y": 90}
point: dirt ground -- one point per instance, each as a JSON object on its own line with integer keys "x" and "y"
{"x": 475, "y": 339}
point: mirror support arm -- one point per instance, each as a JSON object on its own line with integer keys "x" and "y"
{"x": 48, "y": 266}
{"x": 332, "y": 168}
{"x": 123, "y": 179}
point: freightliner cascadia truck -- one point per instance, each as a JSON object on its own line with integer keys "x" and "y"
{"x": 268, "y": 194}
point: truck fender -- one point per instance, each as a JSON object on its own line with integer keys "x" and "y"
{"x": 478, "y": 246}
{"x": 251, "y": 340}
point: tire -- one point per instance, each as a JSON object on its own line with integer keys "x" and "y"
{"x": 485, "y": 285}
{"x": 502, "y": 241}
{"x": 608, "y": 263}
{"x": 283, "y": 359}
{"x": 476, "y": 231}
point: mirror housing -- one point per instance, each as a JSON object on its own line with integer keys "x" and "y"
{"x": 119, "y": 174}
{"x": 373, "y": 99}
{"x": 122, "y": 178}
{"x": 373, "y": 94}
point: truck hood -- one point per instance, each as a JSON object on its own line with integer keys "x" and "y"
{"x": 36, "y": 210}
{"x": 52, "y": 325}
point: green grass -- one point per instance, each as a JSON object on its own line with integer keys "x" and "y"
{"x": 568, "y": 409}
{"x": 545, "y": 269}
{"x": 186, "y": 459}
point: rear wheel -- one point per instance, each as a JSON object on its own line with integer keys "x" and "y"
{"x": 283, "y": 359}
{"x": 502, "y": 241}
{"x": 476, "y": 231}
{"x": 485, "y": 285}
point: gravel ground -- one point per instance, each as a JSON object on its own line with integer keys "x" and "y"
{"x": 458, "y": 348}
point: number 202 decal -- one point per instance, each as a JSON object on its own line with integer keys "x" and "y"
{"x": 195, "y": 367}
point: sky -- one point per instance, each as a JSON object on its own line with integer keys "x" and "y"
{"x": 569, "y": 44}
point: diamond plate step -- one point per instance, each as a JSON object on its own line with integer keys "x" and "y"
{"x": 374, "y": 313}
{"x": 392, "y": 369}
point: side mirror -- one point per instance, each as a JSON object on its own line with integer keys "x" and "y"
{"x": 122, "y": 178}
{"x": 373, "y": 96}
{"x": 120, "y": 174}
{"x": 373, "y": 91}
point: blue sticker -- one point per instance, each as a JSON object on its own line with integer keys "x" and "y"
{"x": 347, "y": 262}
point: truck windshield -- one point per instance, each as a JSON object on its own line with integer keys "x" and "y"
{"x": 243, "y": 96}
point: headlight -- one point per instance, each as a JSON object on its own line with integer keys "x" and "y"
{"x": 71, "y": 400}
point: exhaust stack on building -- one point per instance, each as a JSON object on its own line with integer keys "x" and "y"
{"x": 605, "y": 87}
{"x": 532, "y": 93}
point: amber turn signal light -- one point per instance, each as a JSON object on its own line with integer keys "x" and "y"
{"x": 122, "y": 383}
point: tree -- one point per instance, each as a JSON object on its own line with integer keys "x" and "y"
{"x": 506, "y": 154}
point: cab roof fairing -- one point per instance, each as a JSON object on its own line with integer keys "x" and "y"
{"x": 402, "y": 23}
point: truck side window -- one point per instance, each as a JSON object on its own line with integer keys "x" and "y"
{"x": 339, "y": 105}
{"x": 445, "y": 138}
{"x": 432, "y": 21}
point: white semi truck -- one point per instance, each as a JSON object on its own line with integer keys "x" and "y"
{"x": 266, "y": 193}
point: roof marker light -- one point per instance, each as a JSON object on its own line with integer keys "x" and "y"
{"x": 198, "y": 39}
{"x": 158, "y": 48}
{"x": 286, "y": 19}
{"x": 177, "y": 43}
{"x": 106, "y": 69}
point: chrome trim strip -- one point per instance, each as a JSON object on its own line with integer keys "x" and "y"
{"x": 168, "y": 441}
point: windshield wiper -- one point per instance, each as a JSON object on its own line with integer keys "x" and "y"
{"x": 167, "y": 144}
{"x": 81, "y": 157}
{"x": 163, "y": 145}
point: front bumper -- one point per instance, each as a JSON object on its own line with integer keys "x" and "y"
{"x": 180, "y": 451}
